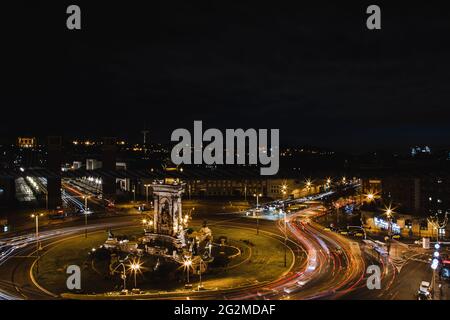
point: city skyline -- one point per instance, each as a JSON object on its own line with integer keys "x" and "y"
{"x": 220, "y": 155}
{"x": 370, "y": 92}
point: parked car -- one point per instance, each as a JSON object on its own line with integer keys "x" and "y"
{"x": 424, "y": 290}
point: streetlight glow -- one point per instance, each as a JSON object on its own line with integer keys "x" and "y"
{"x": 135, "y": 267}
{"x": 389, "y": 211}
{"x": 187, "y": 263}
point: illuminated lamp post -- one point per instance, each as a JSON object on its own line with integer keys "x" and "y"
{"x": 257, "y": 195}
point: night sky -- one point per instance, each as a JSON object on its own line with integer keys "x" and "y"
{"x": 316, "y": 73}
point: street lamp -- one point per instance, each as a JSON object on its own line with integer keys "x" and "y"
{"x": 389, "y": 213}
{"x": 187, "y": 264}
{"x": 308, "y": 185}
{"x": 245, "y": 191}
{"x": 189, "y": 213}
{"x": 389, "y": 216}
{"x": 257, "y": 195}
{"x": 135, "y": 267}
{"x": 285, "y": 239}
{"x": 38, "y": 244}
{"x": 85, "y": 214}
{"x": 200, "y": 285}
{"x": 257, "y": 211}
{"x": 369, "y": 197}
{"x": 36, "y": 218}
{"x": 284, "y": 190}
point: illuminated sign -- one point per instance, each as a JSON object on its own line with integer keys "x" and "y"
{"x": 382, "y": 224}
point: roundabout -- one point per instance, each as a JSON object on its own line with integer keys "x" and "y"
{"x": 245, "y": 261}
{"x": 319, "y": 264}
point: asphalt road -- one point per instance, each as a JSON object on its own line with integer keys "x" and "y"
{"x": 327, "y": 265}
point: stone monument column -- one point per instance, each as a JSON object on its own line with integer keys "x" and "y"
{"x": 167, "y": 214}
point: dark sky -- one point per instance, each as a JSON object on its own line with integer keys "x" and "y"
{"x": 314, "y": 72}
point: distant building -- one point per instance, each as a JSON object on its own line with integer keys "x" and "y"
{"x": 7, "y": 190}
{"x": 26, "y": 142}
{"x": 275, "y": 188}
{"x": 93, "y": 164}
{"x": 405, "y": 225}
{"x": 372, "y": 186}
{"x": 121, "y": 166}
{"x": 77, "y": 165}
{"x": 418, "y": 151}
{"x": 420, "y": 194}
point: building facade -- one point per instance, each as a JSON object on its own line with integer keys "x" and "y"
{"x": 421, "y": 195}
{"x": 405, "y": 225}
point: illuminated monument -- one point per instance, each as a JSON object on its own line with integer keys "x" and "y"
{"x": 167, "y": 216}
{"x": 166, "y": 232}
{"x": 167, "y": 225}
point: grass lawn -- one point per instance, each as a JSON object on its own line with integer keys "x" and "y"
{"x": 261, "y": 259}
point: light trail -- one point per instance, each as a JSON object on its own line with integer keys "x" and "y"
{"x": 333, "y": 266}
{"x": 326, "y": 273}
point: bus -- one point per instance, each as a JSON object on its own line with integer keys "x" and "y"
{"x": 58, "y": 213}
